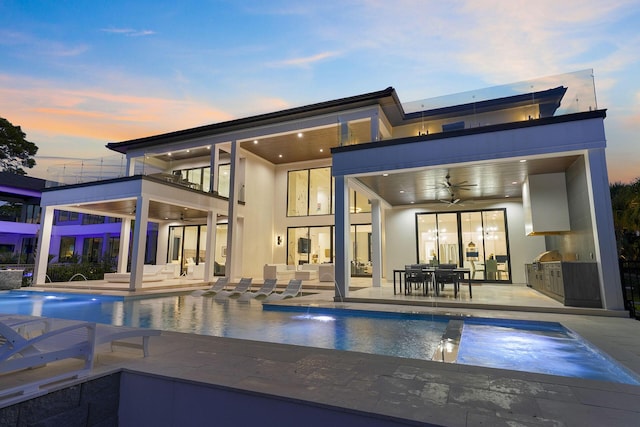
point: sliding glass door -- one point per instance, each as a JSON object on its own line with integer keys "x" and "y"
{"x": 476, "y": 240}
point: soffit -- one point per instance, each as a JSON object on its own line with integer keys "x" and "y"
{"x": 313, "y": 144}
{"x": 493, "y": 180}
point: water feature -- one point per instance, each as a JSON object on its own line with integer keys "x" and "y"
{"x": 507, "y": 344}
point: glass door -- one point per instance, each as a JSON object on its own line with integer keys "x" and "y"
{"x": 476, "y": 240}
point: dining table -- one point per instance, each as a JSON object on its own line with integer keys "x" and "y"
{"x": 460, "y": 272}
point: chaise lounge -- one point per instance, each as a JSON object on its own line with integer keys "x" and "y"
{"x": 292, "y": 290}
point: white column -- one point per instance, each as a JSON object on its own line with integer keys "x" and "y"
{"x": 162, "y": 250}
{"x": 123, "y": 248}
{"x": 210, "y": 247}
{"x": 376, "y": 243}
{"x": 215, "y": 162}
{"x": 603, "y": 230}
{"x": 44, "y": 243}
{"x": 342, "y": 227}
{"x": 139, "y": 243}
{"x": 131, "y": 166}
{"x": 232, "y": 263}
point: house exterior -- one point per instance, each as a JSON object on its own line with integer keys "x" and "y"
{"x": 19, "y": 217}
{"x": 488, "y": 180}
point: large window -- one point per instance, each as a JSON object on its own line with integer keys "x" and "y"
{"x": 475, "y": 239}
{"x": 310, "y": 245}
{"x": 309, "y": 192}
{"x": 188, "y": 244}
{"x": 315, "y": 245}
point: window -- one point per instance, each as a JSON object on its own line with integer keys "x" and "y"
{"x": 64, "y": 216}
{"x": 67, "y": 249}
{"x": 199, "y": 177}
{"x": 475, "y": 239}
{"x": 92, "y": 219}
{"x": 310, "y": 245}
{"x": 32, "y": 214}
{"x": 358, "y": 203}
{"x": 310, "y": 192}
{"x": 92, "y": 249}
{"x": 224, "y": 180}
{"x": 298, "y": 193}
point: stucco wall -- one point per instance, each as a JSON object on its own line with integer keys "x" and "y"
{"x": 257, "y": 229}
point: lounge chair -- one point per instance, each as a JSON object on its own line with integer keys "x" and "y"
{"x": 265, "y": 290}
{"x": 218, "y": 286}
{"x": 28, "y": 342}
{"x": 292, "y": 290}
{"x": 19, "y": 351}
{"x": 114, "y": 335}
{"x": 243, "y": 286}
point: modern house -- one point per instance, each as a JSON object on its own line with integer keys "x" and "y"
{"x": 509, "y": 181}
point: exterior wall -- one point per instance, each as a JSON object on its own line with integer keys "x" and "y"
{"x": 579, "y": 244}
{"x": 258, "y": 235}
{"x": 400, "y": 226}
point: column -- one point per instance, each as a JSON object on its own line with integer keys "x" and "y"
{"x": 123, "y": 247}
{"x": 139, "y": 243}
{"x": 44, "y": 244}
{"x": 215, "y": 162}
{"x": 231, "y": 262}
{"x": 210, "y": 247}
{"x": 342, "y": 227}
{"x": 376, "y": 245}
{"x": 603, "y": 230}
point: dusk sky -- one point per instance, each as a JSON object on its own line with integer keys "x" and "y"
{"x": 76, "y": 75}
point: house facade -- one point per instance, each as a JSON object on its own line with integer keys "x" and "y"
{"x": 488, "y": 180}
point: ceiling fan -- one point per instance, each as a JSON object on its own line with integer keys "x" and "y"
{"x": 453, "y": 201}
{"x": 453, "y": 186}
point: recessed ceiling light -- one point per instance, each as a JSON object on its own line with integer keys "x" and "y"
{"x": 280, "y": 155}
{"x": 322, "y": 150}
{"x": 401, "y": 191}
{"x": 299, "y": 134}
{"x": 208, "y": 147}
{"x": 506, "y": 195}
{"x": 385, "y": 174}
{"x": 523, "y": 161}
{"x": 514, "y": 182}
{"x": 412, "y": 202}
{"x": 188, "y": 151}
{"x": 255, "y": 141}
{"x": 168, "y": 154}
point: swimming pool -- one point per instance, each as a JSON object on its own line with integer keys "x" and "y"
{"x": 541, "y": 347}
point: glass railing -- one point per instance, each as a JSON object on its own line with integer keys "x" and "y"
{"x": 580, "y": 95}
{"x": 104, "y": 168}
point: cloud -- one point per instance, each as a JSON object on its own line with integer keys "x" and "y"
{"x": 46, "y": 108}
{"x": 129, "y": 32}
{"x": 305, "y": 61}
{"x": 31, "y": 46}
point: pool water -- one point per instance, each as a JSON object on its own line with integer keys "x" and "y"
{"x": 528, "y": 346}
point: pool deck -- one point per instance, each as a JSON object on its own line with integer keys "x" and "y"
{"x": 404, "y": 390}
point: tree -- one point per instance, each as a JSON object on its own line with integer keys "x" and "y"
{"x": 625, "y": 201}
{"x": 15, "y": 151}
